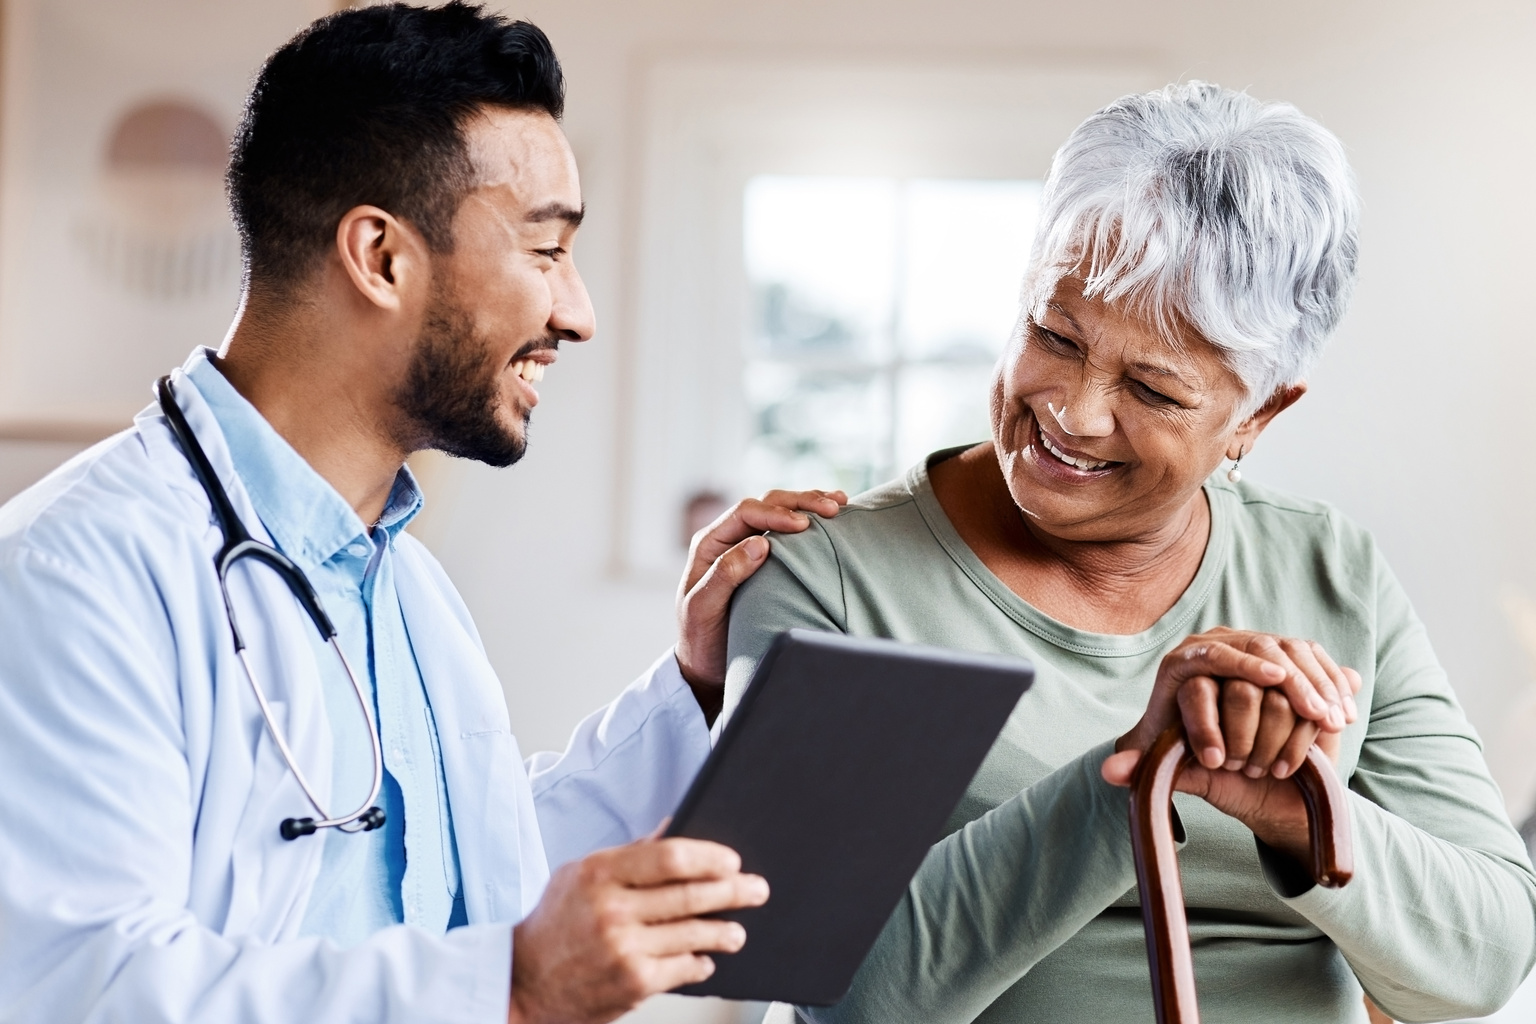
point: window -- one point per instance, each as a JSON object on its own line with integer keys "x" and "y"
{"x": 879, "y": 308}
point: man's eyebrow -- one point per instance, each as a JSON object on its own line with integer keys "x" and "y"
{"x": 558, "y": 211}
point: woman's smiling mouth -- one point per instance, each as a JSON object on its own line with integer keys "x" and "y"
{"x": 1052, "y": 455}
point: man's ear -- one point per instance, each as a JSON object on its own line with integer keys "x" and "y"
{"x": 385, "y": 258}
{"x": 1248, "y": 432}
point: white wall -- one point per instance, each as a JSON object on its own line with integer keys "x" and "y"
{"x": 1417, "y": 424}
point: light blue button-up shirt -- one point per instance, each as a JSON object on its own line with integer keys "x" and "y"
{"x": 408, "y": 870}
{"x": 142, "y": 876}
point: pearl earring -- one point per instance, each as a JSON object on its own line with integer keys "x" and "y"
{"x": 1234, "y": 474}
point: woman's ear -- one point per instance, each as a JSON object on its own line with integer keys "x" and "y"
{"x": 385, "y": 258}
{"x": 1248, "y": 432}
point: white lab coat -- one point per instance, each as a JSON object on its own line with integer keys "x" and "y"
{"x": 142, "y": 877}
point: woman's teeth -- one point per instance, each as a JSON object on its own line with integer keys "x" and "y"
{"x": 1069, "y": 460}
{"x": 529, "y": 370}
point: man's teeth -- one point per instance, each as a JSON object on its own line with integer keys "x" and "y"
{"x": 1069, "y": 460}
{"x": 528, "y": 370}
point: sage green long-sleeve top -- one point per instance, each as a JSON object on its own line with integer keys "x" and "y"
{"x": 1027, "y": 909}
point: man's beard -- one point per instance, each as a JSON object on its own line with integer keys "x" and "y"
{"x": 453, "y": 389}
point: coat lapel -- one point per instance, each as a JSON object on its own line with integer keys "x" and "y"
{"x": 501, "y": 855}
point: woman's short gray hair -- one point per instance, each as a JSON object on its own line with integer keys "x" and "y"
{"x": 1196, "y": 205}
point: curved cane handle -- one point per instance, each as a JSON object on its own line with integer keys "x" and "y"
{"x": 1157, "y": 861}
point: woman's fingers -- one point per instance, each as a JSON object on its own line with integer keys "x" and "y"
{"x": 1240, "y": 705}
{"x": 1304, "y": 653}
{"x": 1347, "y": 687}
{"x": 1202, "y": 719}
{"x": 1295, "y": 750}
{"x": 1276, "y": 722}
{"x": 1308, "y": 694}
{"x": 1222, "y": 661}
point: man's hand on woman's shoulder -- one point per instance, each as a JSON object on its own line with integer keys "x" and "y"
{"x": 1252, "y": 704}
{"x": 721, "y": 558}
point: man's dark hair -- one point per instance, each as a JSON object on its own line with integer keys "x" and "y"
{"x": 366, "y": 107}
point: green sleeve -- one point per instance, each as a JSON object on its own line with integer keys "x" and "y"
{"x": 989, "y": 901}
{"x": 994, "y": 899}
{"x": 798, "y": 587}
{"x": 1440, "y": 919}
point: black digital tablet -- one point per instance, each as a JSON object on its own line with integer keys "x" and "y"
{"x": 834, "y": 777}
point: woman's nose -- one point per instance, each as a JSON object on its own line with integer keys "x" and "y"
{"x": 1086, "y": 413}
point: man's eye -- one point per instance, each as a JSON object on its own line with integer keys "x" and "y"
{"x": 551, "y": 254}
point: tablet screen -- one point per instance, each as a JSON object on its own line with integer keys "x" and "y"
{"x": 837, "y": 773}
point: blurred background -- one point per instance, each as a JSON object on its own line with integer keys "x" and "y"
{"x": 807, "y": 220}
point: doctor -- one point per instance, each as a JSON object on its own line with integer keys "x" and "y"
{"x": 407, "y": 204}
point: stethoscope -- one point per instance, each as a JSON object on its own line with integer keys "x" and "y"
{"x": 238, "y": 544}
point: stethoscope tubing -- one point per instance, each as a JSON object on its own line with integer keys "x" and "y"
{"x": 239, "y": 544}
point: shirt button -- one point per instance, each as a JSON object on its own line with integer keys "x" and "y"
{"x": 358, "y": 550}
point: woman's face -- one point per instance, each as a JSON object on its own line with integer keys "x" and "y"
{"x": 1105, "y": 431}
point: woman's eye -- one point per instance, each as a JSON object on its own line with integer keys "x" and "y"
{"x": 1150, "y": 396}
{"x": 1055, "y": 341}
{"x": 551, "y": 254}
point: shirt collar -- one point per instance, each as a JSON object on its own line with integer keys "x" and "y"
{"x": 308, "y": 520}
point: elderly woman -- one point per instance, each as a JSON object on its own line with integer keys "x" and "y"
{"x": 1196, "y": 248}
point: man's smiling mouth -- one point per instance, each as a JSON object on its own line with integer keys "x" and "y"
{"x": 528, "y": 369}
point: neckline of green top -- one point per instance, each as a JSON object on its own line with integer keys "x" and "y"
{"x": 1110, "y": 645}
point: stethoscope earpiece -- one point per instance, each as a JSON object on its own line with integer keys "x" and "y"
{"x": 293, "y": 828}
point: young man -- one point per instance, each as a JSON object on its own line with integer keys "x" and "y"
{"x": 407, "y": 204}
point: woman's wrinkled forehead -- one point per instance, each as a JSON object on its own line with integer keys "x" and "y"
{"x": 1122, "y": 332}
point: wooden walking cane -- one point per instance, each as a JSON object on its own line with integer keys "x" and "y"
{"x": 1157, "y": 861}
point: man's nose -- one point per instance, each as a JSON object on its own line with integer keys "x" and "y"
{"x": 571, "y": 317}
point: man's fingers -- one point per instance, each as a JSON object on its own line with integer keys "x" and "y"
{"x": 663, "y": 861}
{"x": 697, "y": 935}
{"x": 708, "y": 597}
{"x": 669, "y": 972}
{"x": 776, "y": 511}
{"x": 1240, "y": 706}
{"x": 1198, "y": 699}
{"x": 693, "y": 899}
{"x": 824, "y": 503}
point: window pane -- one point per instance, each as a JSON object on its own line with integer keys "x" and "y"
{"x": 821, "y": 260}
{"x": 840, "y": 269}
{"x": 940, "y": 405}
{"x": 816, "y": 427}
{"x": 967, "y": 243}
